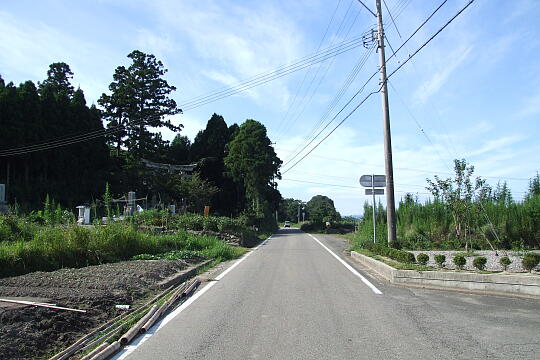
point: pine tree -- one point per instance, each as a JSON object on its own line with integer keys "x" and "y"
{"x": 139, "y": 99}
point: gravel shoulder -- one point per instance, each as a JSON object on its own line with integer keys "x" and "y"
{"x": 28, "y": 332}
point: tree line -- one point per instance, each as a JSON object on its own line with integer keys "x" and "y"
{"x": 236, "y": 166}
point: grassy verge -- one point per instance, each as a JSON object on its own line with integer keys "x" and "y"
{"x": 395, "y": 264}
{"x": 52, "y": 248}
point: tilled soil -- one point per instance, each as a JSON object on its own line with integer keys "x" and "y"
{"x": 37, "y": 333}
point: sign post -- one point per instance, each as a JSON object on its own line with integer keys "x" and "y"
{"x": 372, "y": 181}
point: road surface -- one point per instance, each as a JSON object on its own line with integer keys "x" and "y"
{"x": 292, "y": 299}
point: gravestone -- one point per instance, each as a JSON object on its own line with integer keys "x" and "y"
{"x": 3, "y": 203}
{"x": 131, "y": 204}
{"x": 84, "y": 215}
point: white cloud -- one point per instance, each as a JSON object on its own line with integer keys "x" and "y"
{"x": 530, "y": 107}
{"x": 235, "y": 42}
{"x": 431, "y": 86}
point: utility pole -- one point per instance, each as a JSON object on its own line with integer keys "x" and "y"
{"x": 390, "y": 202}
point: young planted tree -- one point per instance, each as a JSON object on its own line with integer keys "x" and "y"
{"x": 458, "y": 194}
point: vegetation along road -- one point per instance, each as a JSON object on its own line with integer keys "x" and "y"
{"x": 292, "y": 299}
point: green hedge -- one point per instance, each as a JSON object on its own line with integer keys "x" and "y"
{"x": 394, "y": 254}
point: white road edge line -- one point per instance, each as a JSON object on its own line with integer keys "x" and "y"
{"x": 351, "y": 269}
{"x": 127, "y": 350}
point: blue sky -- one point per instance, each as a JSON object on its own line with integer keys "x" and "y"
{"x": 473, "y": 92}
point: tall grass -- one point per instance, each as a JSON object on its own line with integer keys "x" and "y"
{"x": 51, "y": 248}
{"x": 430, "y": 225}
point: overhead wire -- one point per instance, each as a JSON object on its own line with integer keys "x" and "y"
{"x": 391, "y": 74}
{"x": 280, "y": 72}
{"x": 424, "y": 171}
{"x": 362, "y": 88}
{"x": 329, "y": 65}
{"x": 309, "y": 69}
{"x": 345, "y": 86}
{"x": 342, "y": 186}
{"x": 273, "y": 76}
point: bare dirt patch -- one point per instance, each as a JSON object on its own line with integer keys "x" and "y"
{"x": 37, "y": 333}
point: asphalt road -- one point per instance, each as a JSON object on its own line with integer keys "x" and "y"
{"x": 291, "y": 299}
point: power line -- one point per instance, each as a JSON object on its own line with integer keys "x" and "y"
{"x": 361, "y": 89}
{"x": 392, "y": 73}
{"x": 423, "y": 171}
{"x": 431, "y": 38}
{"x": 333, "y": 104}
{"x": 307, "y": 72}
{"x": 344, "y": 186}
{"x": 392, "y": 18}
{"x": 331, "y": 132}
{"x": 263, "y": 79}
{"x": 330, "y": 63}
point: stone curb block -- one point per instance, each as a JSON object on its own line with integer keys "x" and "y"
{"x": 517, "y": 285}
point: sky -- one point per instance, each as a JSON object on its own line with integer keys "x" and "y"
{"x": 473, "y": 92}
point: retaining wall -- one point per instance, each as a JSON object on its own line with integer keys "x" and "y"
{"x": 523, "y": 285}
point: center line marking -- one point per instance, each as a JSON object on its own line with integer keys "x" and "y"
{"x": 351, "y": 269}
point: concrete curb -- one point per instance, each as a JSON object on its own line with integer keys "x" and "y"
{"x": 510, "y": 285}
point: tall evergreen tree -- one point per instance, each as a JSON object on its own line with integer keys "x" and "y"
{"x": 252, "y": 162}
{"x": 58, "y": 79}
{"x": 140, "y": 99}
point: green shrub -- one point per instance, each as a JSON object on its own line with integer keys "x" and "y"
{"x": 208, "y": 223}
{"x": 312, "y": 226}
{"x": 14, "y": 228}
{"x": 505, "y": 262}
{"x": 440, "y": 259}
{"x": 395, "y": 254}
{"x": 422, "y": 258}
{"x": 480, "y": 262}
{"x": 530, "y": 261}
{"x": 459, "y": 261}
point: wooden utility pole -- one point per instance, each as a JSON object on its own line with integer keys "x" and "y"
{"x": 390, "y": 202}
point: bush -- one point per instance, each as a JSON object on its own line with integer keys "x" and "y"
{"x": 394, "y": 254}
{"x": 530, "y": 261}
{"x": 422, "y": 258}
{"x": 440, "y": 259}
{"x": 459, "y": 261}
{"x": 209, "y": 223}
{"x": 505, "y": 262}
{"x": 480, "y": 262}
{"x": 311, "y": 226}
